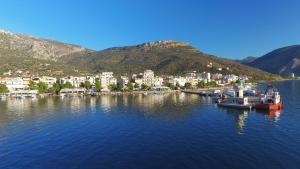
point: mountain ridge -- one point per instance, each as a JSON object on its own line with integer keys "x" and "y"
{"x": 163, "y": 56}
{"x": 283, "y": 61}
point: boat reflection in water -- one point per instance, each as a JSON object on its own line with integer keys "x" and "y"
{"x": 240, "y": 116}
{"x": 273, "y": 115}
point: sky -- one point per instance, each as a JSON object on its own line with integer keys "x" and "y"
{"x": 227, "y": 28}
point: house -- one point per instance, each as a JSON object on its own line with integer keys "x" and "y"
{"x": 158, "y": 82}
{"x": 107, "y": 79}
{"x": 123, "y": 81}
{"x": 14, "y": 84}
{"x": 148, "y": 77}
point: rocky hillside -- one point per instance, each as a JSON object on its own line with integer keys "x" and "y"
{"x": 49, "y": 57}
{"x": 164, "y": 57}
{"x": 281, "y": 61}
{"x": 38, "y": 48}
{"x": 38, "y": 56}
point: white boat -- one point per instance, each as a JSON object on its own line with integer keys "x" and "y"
{"x": 236, "y": 102}
{"x": 229, "y": 92}
{"x": 237, "y": 99}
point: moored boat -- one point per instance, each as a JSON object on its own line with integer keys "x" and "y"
{"x": 237, "y": 100}
{"x": 271, "y": 100}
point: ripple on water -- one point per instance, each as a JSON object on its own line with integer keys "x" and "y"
{"x": 137, "y": 131}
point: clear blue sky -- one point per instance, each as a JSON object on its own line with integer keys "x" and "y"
{"x": 226, "y": 28}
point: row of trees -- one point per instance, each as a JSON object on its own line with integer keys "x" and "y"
{"x": 43, "y": 87}
{"x": 201, "y": 84}
{"x": 129, "y": 87}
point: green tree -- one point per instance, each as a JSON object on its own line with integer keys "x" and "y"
{"x": 3, "y": 88}
{"x": 32, "y": 85}
{"x": 211, "y": 84}
{"x": 87, "y": 84}
{"x": 170, "y": 85}
{"x": 136, "y": 85}
{"x": 129, "y": 86}
{"x": 115, "y": 87}
{"x": 97, "y": 85}
{"x": 188, "y": 85}
{"x": 201, "y": 84}
{"x": 42, "y": 87}
{"x": 67, "y": 85}
{"x": 82, "y": 85}
{"x": 145, "y": 87}
{"x": 56, "y": 88}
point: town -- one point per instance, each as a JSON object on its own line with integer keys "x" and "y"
{"x": 106, "y": 82}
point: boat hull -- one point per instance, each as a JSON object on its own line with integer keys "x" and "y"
{"x": 269, "y": 106}
{"x": 238, "y": 106}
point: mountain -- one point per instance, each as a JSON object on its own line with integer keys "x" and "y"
{"x": 28, "y": 53}
{"x": 164, "y": 57}
{"x": 281, "y": 61}
{"x": 248, "y": 60}
{"x": 37, "y": 47}
{"x": 40, "y": 56}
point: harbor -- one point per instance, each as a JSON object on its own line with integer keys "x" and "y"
{"x": 243, "y": 96}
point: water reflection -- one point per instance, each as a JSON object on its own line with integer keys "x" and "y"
{"x": 240, "y": 118}
{"x": 168, "y": 106}
{"x": 273, "y": 115}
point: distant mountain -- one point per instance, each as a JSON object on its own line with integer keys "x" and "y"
{"x": 48, "y": 57}
{"x": 28, "y": 53}
{"x": 281, "y": 61}
{"x": 36, "y": 47}
{"x": 248, "y": 60}
{"x": 164, "y": 57}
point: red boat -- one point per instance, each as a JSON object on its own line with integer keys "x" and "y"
{"x": 271, "y": 100}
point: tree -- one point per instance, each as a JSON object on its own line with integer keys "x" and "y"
{"x": 170, "y": 85}
{"x": 129, "y": 86}
{"x": 42, "y": 87}
{"x": 211, "y": 84}
{"x": 87, "y": 84}
{"x": 145, "y": 87}
{"x": 115, "y": 87}
{"x": 3, "y": 88}
{"x": 97, "y": 86}
{"x": 136, "y": 85}
{"x": 82, "y": 85}
{"x": 201, "y": 84}
{"x": 67, "y": 85}
{"x": 32, "y": 85}
{"x": 188, "y": 85}
{"x": 56, "y": 88}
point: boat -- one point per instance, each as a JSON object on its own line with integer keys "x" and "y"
{"x": 237, "y": 100}
{"x": 229, "y": 92}
{"x": 270, "y": 100}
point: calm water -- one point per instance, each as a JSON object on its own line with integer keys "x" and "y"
{"x": 155, "y": 131}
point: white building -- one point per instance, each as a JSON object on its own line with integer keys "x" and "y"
{"x": 14, "y": 84}
{"x": 176, "y": 80}
{"x": 158, "y": 82}
{"x": 75, "y": 81}
{"x": 48, "y": 80}
{"x": 148, "y": 77}
{"x": 107, "y": 79}
{"x": 230, "y": 78}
